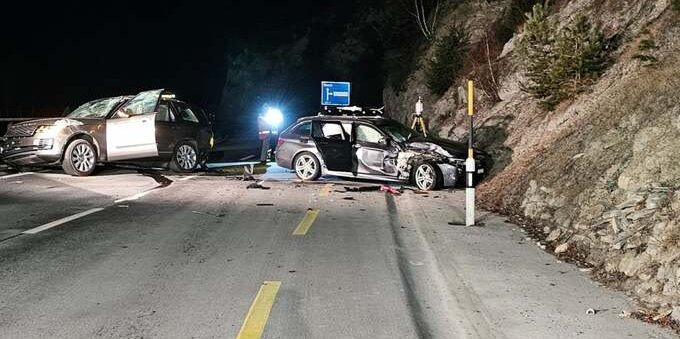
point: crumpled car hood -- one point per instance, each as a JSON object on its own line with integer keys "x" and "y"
{"x": 444, "y": 147}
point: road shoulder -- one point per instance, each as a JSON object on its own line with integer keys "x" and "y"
{"x": 500, "y": 279}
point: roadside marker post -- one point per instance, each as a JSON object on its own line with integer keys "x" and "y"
{"x": 470, "y": 163}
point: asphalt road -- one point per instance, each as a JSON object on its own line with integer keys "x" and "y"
{"x": 127, "y": 255}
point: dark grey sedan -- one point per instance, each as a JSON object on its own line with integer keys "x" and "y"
{"x": 373, "y": 147}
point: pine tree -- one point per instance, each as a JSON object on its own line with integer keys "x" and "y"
{"x": 580, "y": 57}
{"x": 448, "y": 60}
{"x": 535, "y": 51}
{"x": 559, "y": 64}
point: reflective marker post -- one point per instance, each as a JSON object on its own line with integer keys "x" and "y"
{"x": 470, "y": 164}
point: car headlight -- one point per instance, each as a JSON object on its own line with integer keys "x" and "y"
{"x": 46, "y": 130}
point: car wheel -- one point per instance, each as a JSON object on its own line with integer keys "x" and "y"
{"x": 185, "y": 158}
{"x": 307, "y": 166}
{"x": 80, "y": 158}
{"x": 426, "y": 177}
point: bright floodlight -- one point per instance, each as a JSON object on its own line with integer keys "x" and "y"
{"x": 273, "y": 117}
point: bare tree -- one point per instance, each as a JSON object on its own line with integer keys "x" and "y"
{"x": 426, "y": 18}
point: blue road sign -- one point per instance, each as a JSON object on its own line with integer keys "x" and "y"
{"x": 335, "y": 93}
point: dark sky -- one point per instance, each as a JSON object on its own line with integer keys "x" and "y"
{"x": 61, "y": 54}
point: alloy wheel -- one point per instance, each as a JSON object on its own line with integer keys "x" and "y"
{"x": 82, "y": 158}
{"x": 186, "y": 157}
{"x": 305, "y": 167}
{"x": 425, "y": 177}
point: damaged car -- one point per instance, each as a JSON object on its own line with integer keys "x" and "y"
{"x": 152, "y": 126}
{"x": 373, "y": 147}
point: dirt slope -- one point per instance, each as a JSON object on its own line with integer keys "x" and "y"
{"x": 599, "y": 174}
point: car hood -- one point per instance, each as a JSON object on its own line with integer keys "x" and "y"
{"x": 454, "y": 149}
{"x": 58, "y": 121}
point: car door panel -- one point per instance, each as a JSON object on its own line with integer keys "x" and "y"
{"x": 188, "y": 126}
{"x": 336, "y": 151}
{"x": 131, "y": 131}
{"x": 166, "y": 130}
{"x": 373, "y": 160}
{"x": 372, "y": 156}
{"x": 131, "y": 138}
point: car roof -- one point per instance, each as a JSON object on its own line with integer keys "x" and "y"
{"x": 364, "y": 118}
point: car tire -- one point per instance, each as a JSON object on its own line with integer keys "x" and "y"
{"x": 80, "y": 158}
{"x": 185, "y": 157}
{"x": 306, "y": 166}
{"x": 427, "y": 177}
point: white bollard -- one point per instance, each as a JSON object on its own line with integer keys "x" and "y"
{"x": 469, "y": 192}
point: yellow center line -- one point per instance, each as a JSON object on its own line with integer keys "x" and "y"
{"x": 256, "y": 319}
{"x": 306, "y": 222}
{"x": 326, "y": 190}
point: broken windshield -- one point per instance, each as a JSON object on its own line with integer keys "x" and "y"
{"x": 397, "y": 131}
{"x": 94, "y": 109}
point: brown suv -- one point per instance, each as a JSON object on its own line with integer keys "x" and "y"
{"x": 149, "y": 126}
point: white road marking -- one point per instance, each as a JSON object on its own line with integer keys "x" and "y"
{"x": 61, "y": 221}
{"x": 15, "y": 175}
{"x": 141, "y": 194}
{"x": 189, "y": 177}
{"x": 133, "y": 197}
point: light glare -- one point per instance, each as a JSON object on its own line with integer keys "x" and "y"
{"x": 273, "y": 117}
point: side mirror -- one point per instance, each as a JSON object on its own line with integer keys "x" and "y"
{"x": 386, "y": 141}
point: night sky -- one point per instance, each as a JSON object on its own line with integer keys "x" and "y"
{"x": 58, "y": 54}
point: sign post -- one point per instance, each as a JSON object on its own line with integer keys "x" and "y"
{"x": 470, "y": 163}
{"x": 335, "y": 93}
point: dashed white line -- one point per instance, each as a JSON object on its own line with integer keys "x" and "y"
{"x": 61, "y": 221}
{"x": 9, "y": 176}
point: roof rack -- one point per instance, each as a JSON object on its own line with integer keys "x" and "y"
{"x": 352, "y": 110}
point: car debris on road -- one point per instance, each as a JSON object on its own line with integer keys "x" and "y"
{"x": 362, "y": 188}
{"x": 258, "y": 185}
{"x": 389, "y": 189}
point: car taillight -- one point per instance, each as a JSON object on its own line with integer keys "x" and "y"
{"x": 279, "y": 142}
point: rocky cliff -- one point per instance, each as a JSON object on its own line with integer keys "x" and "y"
{"x": 599, "y": 175}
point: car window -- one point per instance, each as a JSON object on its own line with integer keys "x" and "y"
{"x": 164, "y": 113}
{"x": 367, "y": 134}
{"x": 200, "y": 114}
{"x": 142, "y": 103}
{"x": 185, "y": 113}
{"x": 303, "y": 130}
{"x": 397, "y": 131}
{"x": 330, "y": 130}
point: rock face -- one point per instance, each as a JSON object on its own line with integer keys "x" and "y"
{"x": 601, "y": 173}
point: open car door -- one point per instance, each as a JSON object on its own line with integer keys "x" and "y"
{"x": 131, "y": 131}
{"x": 374, "y": 153}
{"x": 334, "y": 145}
